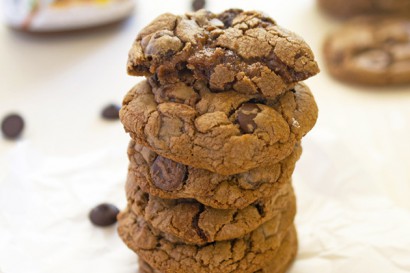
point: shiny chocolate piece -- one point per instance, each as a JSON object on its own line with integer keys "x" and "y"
{"x": 167, "y": 175}
{"x": 246, "y": 115}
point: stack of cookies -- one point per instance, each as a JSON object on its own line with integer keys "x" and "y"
{"x": 216, "y": 127}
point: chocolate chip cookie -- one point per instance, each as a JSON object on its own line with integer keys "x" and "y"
{"x": 226, "y": 133}
{"x": 195, "y": 223}
{"x": 168, "y": 179}
{"x": 167, "y": 254}
{"x": 279, "y": 264}
{"x": 350, "y": 8}
{"x": 370, "y": 50}
{"x": 246, "y": 52}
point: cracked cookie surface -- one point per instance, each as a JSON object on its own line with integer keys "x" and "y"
{"x": 279, "y": 264}
{"x": 236, "y": 50}
{"x": 194, "y": 223}
{"x": 168, "y": 254}
{"x": 156, "y": 176}
{"x": 226, "y": 133}
{"x": 370, "y": 50}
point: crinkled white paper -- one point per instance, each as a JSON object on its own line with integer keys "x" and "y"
{"x": 44, "y": 206}
{"x": 345, "y": 222}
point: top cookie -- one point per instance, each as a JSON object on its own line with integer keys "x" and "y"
{"x": 235, "y": 50}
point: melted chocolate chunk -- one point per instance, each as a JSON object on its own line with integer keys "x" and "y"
{"x": 246, "y": 115}
{"x": 227, "y": 16}
{"x": 168, "y": 175}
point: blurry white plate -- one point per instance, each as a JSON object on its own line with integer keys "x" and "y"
{"x": 61, "y": 15}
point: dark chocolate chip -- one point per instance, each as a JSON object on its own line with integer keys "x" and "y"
{"x": 104, "y": 215}
{"x": 111, "y": 112}
{"x": 260, "y": 209}
{"x": 246, "y": 114}
{"x": 228, "y": 16}
{"x": 168, "y": 175}
{"x": 258, "y": 100}
{"x": 12, "y": 126}
{"x": 198, "y": 4}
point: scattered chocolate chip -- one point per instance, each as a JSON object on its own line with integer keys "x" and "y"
{"x": 198, "y": 4}
{"x": 166, "y": 174}
{"x": 246, "y": 113}
{"x": 104, "y": 215}
{"x": 111, "y": 112}
{"x": 12, "y": 126}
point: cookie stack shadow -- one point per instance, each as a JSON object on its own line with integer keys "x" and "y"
{"x": 216, "y": 127}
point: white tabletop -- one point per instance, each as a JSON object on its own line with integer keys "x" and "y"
{"x": 352, "y": 182}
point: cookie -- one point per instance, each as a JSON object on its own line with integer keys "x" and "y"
{"x": 194, "y": 223}
{"x": 350, "y": 8}
{"x": 145, "y": 268}
{"x": 225, "y": 133}
{"x": 246, "y": 52}
{"x": 279, "y": 264}
{"x": 370, "y": 50}
{"x": 168, "y": 179}
{"x": 167, "y": 254}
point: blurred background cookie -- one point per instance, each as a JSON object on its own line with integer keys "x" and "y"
{"x": 350, "y": 8}
{"x": 370, "y": 50}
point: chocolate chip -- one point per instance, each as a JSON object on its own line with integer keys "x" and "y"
{"x": 198, "y": 4}
{"x": 167, "y": 175}
{"x": 228, "y": 16}
{"x": 246, "y": 115}
{"x": 12, "y": 126}
{"x": 104, "y": 215}
{"x": 258, "y": 100}
{"x": 260, "y": 209}
{"x": 111, "y": 112}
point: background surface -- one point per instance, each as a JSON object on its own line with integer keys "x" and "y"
{"x": 352, "y": 182}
